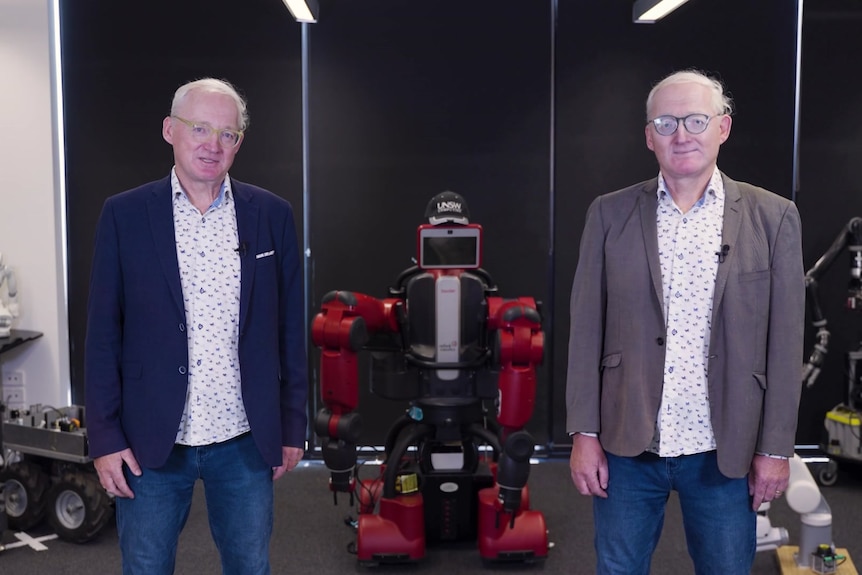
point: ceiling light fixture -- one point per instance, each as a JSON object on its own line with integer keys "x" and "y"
{"x": 649, "y": 11}
{"x": 303, "y": 10}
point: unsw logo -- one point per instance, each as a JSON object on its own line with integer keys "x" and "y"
{"x": 449, "y": 207}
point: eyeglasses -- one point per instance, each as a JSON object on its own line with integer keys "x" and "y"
{"x": 202, "y": 132}
{"x": 694, "y": 124}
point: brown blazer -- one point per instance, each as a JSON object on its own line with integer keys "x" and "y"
{"x": 617, "y": 333}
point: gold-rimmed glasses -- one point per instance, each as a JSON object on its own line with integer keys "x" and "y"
{"x": 203, "y": 132}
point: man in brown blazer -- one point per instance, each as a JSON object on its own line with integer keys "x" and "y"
{"x": 685, "y": 350}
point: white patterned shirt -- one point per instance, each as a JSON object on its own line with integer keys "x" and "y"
{"x": 210, "y": 276}
{"x": 688, "y": 246}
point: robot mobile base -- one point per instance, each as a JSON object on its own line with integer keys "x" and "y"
{"x": 452, "y": 507}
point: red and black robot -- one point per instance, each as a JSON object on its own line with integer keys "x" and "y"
{"x": 449, "y": 347}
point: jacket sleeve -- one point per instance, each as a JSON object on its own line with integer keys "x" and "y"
{"x": 586, "y": 329}
{"x": 102, "y": 349}
{"x": 294, "y": 372}
{"x": 785, "y": 339}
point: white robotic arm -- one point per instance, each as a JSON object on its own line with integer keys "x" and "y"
{"x": 9, "y": 299}
{"x": 804, "y": 497}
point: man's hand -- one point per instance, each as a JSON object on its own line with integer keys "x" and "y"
{"x": 589, "y": 466}
{"x": 290, "y": 457}
{"x": 767, "y": 479}
{"x": 110, "y": 470}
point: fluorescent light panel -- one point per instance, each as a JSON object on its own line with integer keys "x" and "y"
{"x": 648, "y": 11}
{"x": 303, "y": 10}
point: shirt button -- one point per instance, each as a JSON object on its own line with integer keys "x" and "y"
{"x": 659, "y": 340}
{"x": 182, "y": 370}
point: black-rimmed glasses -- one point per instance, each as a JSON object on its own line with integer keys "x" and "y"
{"x": 694, "y": 124}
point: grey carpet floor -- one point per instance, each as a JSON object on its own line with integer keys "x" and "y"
{"x": 310, "y": 535}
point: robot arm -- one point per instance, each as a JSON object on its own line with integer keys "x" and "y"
{"x": 341, "y": 330}
{"x": 850, "y": 238}
{"x": 804, "y": 497}
{"x": 9, "y": 300}
{"x": 519, "y": 349}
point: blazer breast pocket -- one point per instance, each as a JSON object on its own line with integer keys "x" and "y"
{"x": 753, "y": 290}
{"x": 757, "y": 275}
{"x": 748, "y": 298}
{"x": 266, "y": 272}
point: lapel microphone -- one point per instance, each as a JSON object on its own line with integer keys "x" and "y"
{"x": 242, "y": 249}
{"x": 725, "y": 249}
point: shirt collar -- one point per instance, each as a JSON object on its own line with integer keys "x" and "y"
{"x": 714, "y": 188}
{"x": 224, "y": 192}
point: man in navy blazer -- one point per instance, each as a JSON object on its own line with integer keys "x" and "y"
{"x": 195, "y": 353}
{"x": 685, "y": 350}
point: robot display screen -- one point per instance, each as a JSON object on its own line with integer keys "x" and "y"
{"x": 450, "y": 248}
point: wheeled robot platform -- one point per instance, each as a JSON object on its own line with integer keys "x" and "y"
{"x": 841, "y": 441}
{"x": 47, "y": 474}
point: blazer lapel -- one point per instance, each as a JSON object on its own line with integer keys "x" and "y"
{"x": 161, "y": 214}
{"x": 729, "y": 236}
{"x": 647, "y": 201}
{"x": 247, "y": 215}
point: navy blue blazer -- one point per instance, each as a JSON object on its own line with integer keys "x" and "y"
{"x": 136, "y": 351}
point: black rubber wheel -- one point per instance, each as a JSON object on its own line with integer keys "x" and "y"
{"x": 827, "y": 475}
{"x": 25, "y": 484}
{"x": 78, "y": 507}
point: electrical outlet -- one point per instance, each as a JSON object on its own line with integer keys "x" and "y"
{"x": 13, "y": 379}
{"x": 13, "y": 390}
{"x": 13, "y": 397}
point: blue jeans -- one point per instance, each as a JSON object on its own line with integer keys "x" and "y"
{"x": 239, "y": 497}
{"x": 717, "y": 515}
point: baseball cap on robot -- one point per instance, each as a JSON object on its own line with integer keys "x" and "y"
{"x": 447, "y": 207}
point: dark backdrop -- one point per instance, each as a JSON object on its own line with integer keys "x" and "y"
{"x": 529, "y": 114}
{"x": 829, "y": 184}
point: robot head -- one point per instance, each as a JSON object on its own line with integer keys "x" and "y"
{"x": 449, "y": 241}
{"x": 447, "y": 207}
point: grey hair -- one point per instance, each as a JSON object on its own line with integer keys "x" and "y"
{"x": 213, "y": 86}
{"x": 721, "y": 102}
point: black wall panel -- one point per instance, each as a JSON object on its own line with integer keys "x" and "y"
{"x": 829, "y": 185}
{"x": 412, "y": 100}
